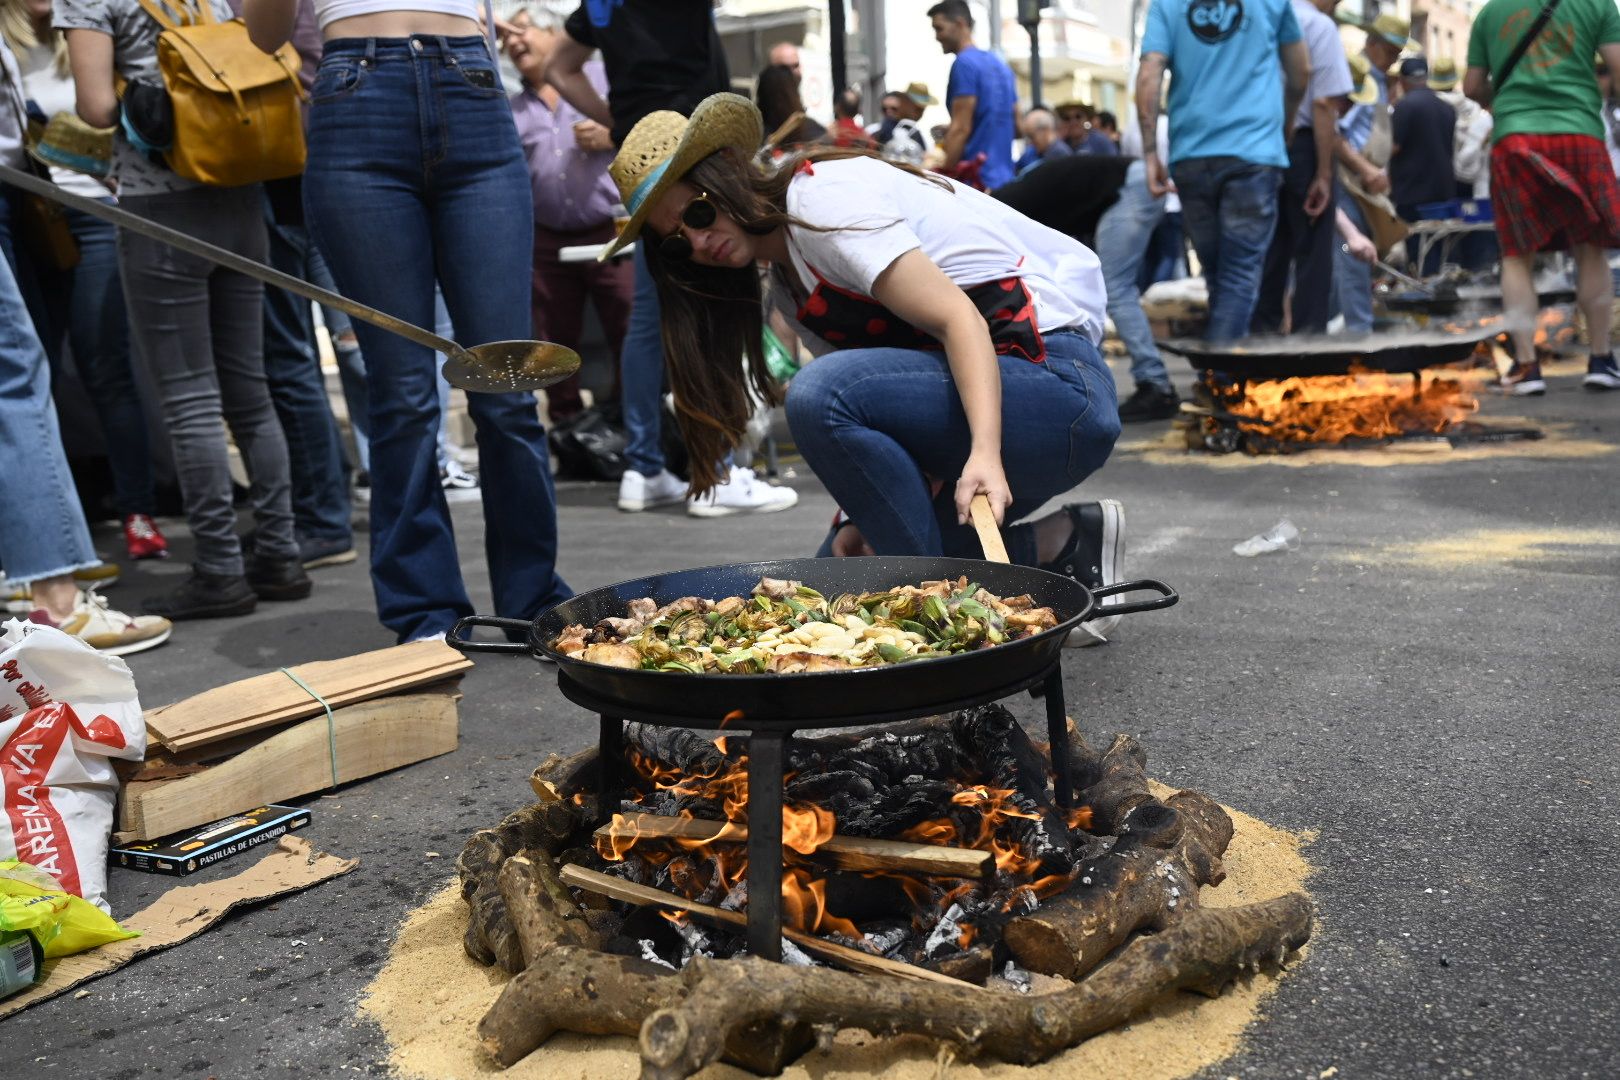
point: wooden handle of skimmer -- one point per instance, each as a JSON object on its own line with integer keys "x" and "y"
{"x": 984, "y": 521}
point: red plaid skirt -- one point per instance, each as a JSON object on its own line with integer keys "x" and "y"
{"x": 1550, "y": 192}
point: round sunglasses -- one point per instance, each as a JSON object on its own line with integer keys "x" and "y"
{"x": 700, "y": 213}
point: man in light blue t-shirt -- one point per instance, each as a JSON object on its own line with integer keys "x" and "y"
{"x": 981, "y": 95}
{"x": 1230, "y": 122}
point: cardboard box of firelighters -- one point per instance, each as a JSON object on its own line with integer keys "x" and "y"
{"x": 188, "y": 853}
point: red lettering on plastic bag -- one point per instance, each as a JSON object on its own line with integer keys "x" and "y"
{"x": 25, "y": 759}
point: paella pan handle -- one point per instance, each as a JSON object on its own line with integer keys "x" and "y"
{"x": 1167, "y": 597}
{"x": 457, "y": 638}
{"x": 984, "y": 522}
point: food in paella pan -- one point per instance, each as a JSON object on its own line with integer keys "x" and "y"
{"x": 785, "y": 627}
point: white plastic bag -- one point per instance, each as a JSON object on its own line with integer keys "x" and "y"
{"x": 66, "y": 711}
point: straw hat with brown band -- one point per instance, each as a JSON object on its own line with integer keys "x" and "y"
{"x": 663, "y": 147}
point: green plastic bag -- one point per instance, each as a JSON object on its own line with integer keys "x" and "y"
{"x": 62, "y": 923}
{"x": 778, "y": 361}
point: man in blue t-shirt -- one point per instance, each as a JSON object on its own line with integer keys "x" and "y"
{"x": 1230, "y": 122}
{"x": 981, "y": 95}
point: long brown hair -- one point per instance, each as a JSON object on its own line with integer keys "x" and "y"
{"x": 714, "y": 317}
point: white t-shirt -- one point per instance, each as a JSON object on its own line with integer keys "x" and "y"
{"x": 53, "y": 92}
{"x": 881, "y": 212}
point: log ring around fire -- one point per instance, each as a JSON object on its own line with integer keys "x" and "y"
{"x": 429, "y": 997}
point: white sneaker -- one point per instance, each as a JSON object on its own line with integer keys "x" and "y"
{"x": 638, "y": 492}
{"x": 109, "y": 631}
{"x": 742, "y": 493}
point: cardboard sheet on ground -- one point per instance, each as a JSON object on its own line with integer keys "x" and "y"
{"x": 183, "y": 913}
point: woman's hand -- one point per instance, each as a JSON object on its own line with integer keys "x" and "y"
{"x": 848, "y": 541}
{"x": 591, "y": 136}
{"x": 983, "y": 475}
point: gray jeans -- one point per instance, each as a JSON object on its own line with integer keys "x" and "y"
{"x": 199, "y": 328}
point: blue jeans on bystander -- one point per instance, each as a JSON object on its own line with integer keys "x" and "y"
{"x": 292, "y": 367}
{"x": 876, "y": 425}
{"x": 641, "y": 374}
{"x": 1352, "y": 278}
{"x": 1229, "y": 208}
{"x": 1123, "y": 236}
{"x": 42, "y": 528}
{"x": 416, "y": 178}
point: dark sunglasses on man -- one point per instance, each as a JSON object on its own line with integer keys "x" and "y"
{"x": 700, "y": 213}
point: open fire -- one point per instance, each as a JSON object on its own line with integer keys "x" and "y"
{"x": 1363, "y": 405}
{"x": 920, "y": 860}
{"x": 683, "y": 832}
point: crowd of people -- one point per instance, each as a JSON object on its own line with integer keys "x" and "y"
{"x": 940, "y": 280}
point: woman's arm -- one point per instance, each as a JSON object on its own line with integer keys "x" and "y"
{"x": 567, "y": 74}
{"x": 90, "y": 58}
{"x": 918, "y": 291}
{"x": 269, "y": 22}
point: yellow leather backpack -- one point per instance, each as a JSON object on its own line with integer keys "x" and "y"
{"x": 237, "y": 116}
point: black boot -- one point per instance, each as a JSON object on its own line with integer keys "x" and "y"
{"x": 1150, "y": 402}
{"x": 205, "y": 596}
{"x": 277, "y": 579}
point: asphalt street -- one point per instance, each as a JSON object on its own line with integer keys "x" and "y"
{"x": 1428, "y": 685}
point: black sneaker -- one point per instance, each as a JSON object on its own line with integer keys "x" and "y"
{"x": 205, "y": 596}
{"x": 1602, "y": 373}
{"x": 1150, "y": 402}
{"x": 277, "y": 579}
{"x": 318, "y": 553}
{"x": 1094, "y": 556}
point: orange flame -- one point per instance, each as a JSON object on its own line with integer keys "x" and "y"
{"x": 804, "y": 905}
{"x": 1361, "y": 405}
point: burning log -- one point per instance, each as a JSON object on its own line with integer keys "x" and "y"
{"x": 1203, "y": 952}
{"x": 1113, "y": 785}
{"x": 845, "y": 852}
{"x": 558, "y": 774}
{"x": 1148, "y": 880}
{"x": 491, "y": 937}
{"x": 855, "y": 959}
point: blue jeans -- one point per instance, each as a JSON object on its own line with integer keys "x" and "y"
{"x": 1166, "y": 258}
{"x": 42, "y": 528}
{"x": 1352, "y": 278}
{"x": 84, "y": 307}
{"x": 877, "y": 425}
{"x": 415, "y": 178}
{"x": 320, "y": 492}
{"x": 1123, "y": 235}
{"x": 641, "y": 375}
{"x": 352, "y": 374}
{"x": 1229, "y": 208}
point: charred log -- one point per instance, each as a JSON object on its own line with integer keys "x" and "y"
{"x": 1117, "y": 784}
{"x": 1203, "y": 952}
{"x": 973, "y": 966}
{"x": 491, "y": 937}
{"x": 1133, "y": 887}
{"x": 558, "y": 775}
{"x": 676, "y": 748}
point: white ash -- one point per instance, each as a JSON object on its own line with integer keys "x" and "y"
{"x": 1017, "y": 977}
{"x": 884, "y": 940}
{"x": 694, "y": 942}
{"x": 946, "y": 931}
{"x": 737, "y": 898}
{"x": 795, "y": 956}
{"x": 651, "y": 954}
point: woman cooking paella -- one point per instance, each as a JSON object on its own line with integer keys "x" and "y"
{"x": 956, "y": 339}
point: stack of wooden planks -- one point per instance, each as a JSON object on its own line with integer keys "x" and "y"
{"x": 267, "y": 739}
